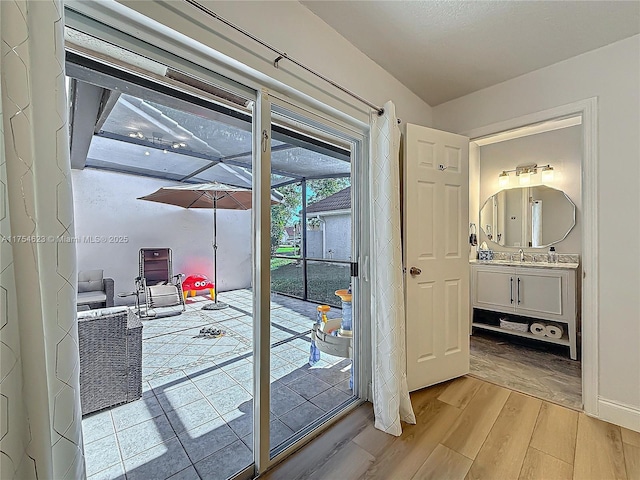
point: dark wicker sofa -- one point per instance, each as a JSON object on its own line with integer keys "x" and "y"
{"x": 110, "y": 343}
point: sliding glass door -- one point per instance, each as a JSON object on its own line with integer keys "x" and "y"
{"x": 311, "y": 255}
{"x": 303, "y": 284}
{"x": 227, "y": 391}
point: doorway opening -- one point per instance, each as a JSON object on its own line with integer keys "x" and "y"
{"x": 526, "y": 230}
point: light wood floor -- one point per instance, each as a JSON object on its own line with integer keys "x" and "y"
{"x": 468, "y": 429}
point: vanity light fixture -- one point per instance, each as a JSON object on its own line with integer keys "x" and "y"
{"x": 503, "y": 179}
{"x": 547, "y": 174}
{"x": 524, "y": 174}
{"x": 524, "y": 178}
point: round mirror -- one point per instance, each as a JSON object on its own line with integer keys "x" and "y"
{"x": 533, "y": 217}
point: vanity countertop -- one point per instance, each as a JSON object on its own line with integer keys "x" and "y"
{"x": 509, "y": 263}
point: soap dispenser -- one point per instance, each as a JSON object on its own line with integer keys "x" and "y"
{"x": 552, "y": 257}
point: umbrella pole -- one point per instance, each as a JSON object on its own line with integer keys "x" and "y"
{"x": 215, "y": 305}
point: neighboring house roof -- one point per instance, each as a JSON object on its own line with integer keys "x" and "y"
{"x": 290, "y": 231}
{"x": 338, "y": 201}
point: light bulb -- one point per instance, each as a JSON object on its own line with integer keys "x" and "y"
{"x": 525, "y": 178}
{"x": 503, "y": 179}
{"x": 547, "y": 174}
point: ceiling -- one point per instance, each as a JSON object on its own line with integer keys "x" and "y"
{"x": 119, "y": 125}
{"x": 442, "y": 50}
{"x": 144, "y": 137}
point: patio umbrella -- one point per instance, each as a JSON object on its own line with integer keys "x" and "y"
{"x": 206, "y": 195}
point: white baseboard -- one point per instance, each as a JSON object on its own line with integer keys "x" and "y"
{"x": 619, "y": 414}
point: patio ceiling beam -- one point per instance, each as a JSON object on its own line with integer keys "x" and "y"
{"x": 216, "y": 160}
{"x": 229, "y": 159}
{"x": 158, "y": 146}
{"x": 84, "y": 111}
{"x": 135, "y": 171}
{"x": 235, "y": 163}
{"x": 109, "y": 100}
{"x": 276, "y": 148}
{"x": 189, "y": 153}
{"x": 148, "y": 173}
{"x": 313, "y": 177}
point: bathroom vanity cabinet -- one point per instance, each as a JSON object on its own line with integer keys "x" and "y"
{"x": 537, "y": 291}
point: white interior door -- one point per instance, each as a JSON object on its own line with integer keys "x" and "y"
{"x": 436, "y": 216}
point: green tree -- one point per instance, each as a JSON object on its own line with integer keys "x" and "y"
{"x": 324, "y": 187}
{"x": 283, "y": 212}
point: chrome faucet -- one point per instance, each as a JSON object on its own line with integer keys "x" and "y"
{"x": 521, "y": 252}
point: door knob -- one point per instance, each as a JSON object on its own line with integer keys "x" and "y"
{"x": 415, "y": 271}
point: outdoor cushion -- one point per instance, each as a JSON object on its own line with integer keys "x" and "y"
{"x": 90, "y": 281}
{"x": 163, "y": 296}
{"x": 100, "y": 312}
{"x": 92, "y": 297}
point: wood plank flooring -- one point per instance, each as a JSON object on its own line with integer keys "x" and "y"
{"x": 468, "y": 429}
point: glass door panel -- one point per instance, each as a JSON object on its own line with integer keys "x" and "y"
{"x": 311, "y": 248}
{"x": 196, "y": 411}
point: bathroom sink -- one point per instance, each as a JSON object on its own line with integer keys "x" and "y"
{"x": 529, "y": 263}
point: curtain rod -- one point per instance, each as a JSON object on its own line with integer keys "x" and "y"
{"x": 282, "y": 55}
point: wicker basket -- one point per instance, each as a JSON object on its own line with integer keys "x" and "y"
{"x": 514, "y": 326}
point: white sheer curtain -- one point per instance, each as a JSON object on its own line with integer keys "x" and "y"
{"x": 40, "y": 401}
{"x": 391, "y": 402}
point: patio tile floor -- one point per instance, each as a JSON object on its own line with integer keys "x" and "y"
{"x": 195, "y": 417}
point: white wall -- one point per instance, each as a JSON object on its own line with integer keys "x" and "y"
{"x": 335, "y": 233}
{"x": 291, "y": 27}
{"x": 560, "y": 148}
{"x": 314, "y": 244}
{"x": 337, "y": 237}
{"x": 105, "y": 205}
{"x": 612, "y": 74}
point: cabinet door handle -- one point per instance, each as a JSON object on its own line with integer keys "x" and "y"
{"x": 511, "y": 289}
{"x": 518, "y": 290}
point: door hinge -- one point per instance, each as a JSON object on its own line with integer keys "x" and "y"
{"x": 354, "y": 269}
